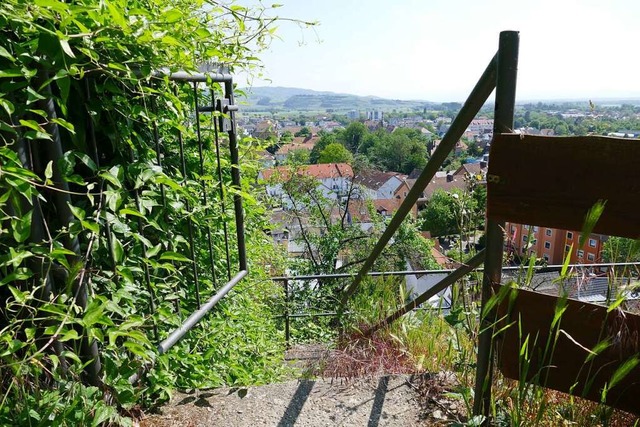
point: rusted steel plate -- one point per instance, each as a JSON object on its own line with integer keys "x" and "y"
{"x": 565, "y": 363}
{"x": 554, "y": 181}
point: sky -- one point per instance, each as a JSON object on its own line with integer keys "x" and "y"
{"x": 436, "y": 50}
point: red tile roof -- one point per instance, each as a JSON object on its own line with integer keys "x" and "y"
{"x": 321, "y": 171}
{"x": 287, "y": 148}
{"x": 388, "y": 205}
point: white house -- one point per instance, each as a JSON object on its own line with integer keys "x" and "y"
{"x": 334, "y": 179}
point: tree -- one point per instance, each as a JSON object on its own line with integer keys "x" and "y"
{"x": 439, "y": 216}
{"x": 621, "y": 249}
{"x": 286, "y": 136}
{"x": 401, "y": 151}
{"x": 325, "y": 140}
{"x": 330, "y": 230}
{"x": 305, "y": 131}
{"x": 298, "y": 157}
{"x": 335, "y": 153}
{"x": 450, "y": 213}
{"x": 353, "y": 135}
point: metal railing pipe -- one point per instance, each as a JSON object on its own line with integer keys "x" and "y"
{"x": 451, "y": 278}
{"x": 537, "y": 268}
{"x": 184, "y": 76}
{"x": 235, "y": 176}
{"x": 197, "y": 315}
{"x": 472, "y": 105}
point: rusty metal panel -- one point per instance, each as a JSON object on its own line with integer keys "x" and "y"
{"x": 554, "y": 181}
{"x": 566, "y": 363}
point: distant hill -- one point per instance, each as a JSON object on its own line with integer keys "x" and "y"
{"x": 269, "y": 98}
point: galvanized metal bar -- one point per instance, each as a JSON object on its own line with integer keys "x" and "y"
{"x": 196, "y": 316}
{"x": 537, "y": 268}
{"x": 184, "y": 76}
{"x": 192, "y": 249}
{"x": 349, "y": 275}
{"x": 449, "y": 280}
{"x": 300, "y": 315}
{"x": 204, "y": 189}
{"x": 147, "y": 274}
{"x": 89, "y": 352}
{"x": 223, "y": 206}
{"x": 507, "y": 70}
{"x": 474, "y": 102}
{"x": 287, "y": 331}
{"x": 235, "y": 176}
{"x": 163, "y": 191}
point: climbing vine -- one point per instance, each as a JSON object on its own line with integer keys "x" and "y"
{"x": 102, "y": 231}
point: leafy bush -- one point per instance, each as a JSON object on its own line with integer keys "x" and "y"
{"x": 97, "y": 215}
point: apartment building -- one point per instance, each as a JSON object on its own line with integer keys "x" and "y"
{"x": 552, "y": 244}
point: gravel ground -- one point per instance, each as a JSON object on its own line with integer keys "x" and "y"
{"x": 386, "y": 401}
{"x": 308, "y": 401}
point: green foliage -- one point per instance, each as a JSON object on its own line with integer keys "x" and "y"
{"x": 286, "y": 136}
{"x": 95, "y": 252}
{"x": 325, "y": 140}
{"x": 439, "y": 216}
{"x": 335, "y": 153}
{"x": 353, "y": 136}
{"x": 620, "y": 249}
{"x": 401, "y": 151}
{"x": 305, "y": 131}
{"x": 298, "y": 157}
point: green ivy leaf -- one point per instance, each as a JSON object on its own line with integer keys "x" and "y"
{"x": 118, "y": 251}
{"x": 71, "y": 334}
{"x": 33, "y": 96}
{"x": 172, "y": 15}
{"x": 173, "y": 256}
{"x": 22, "y": 227}
{"x": 64, "y": 44}
{"x": 48, "y": 171}
{"x": 79, "y": 213}
{"x": 10, "y": 73}
{"x": 93, "y": 313}
{"x": 8, "y": 106}
{"x": 5, "y": 54}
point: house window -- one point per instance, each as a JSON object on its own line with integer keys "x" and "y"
{"x": 547, "y": 245}
{"x": 546, "y": 257}
{"x": 567, "y": 248}
{"x": 591, "y": 257}
{"x": 580, "y": 253}
{"x": 569, "y": 235}
{"x": 524, "y": 238}
{"x": 592, "y": 243}
{"x": 548, "y": 232}
{"x": 535, "y": 228}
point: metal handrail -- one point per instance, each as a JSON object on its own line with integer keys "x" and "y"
{"x": 537, "y": 268}
{"x": 185, "y": 76}
{"x": 197, "y": 315}
{"x": 474, "y": 264}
